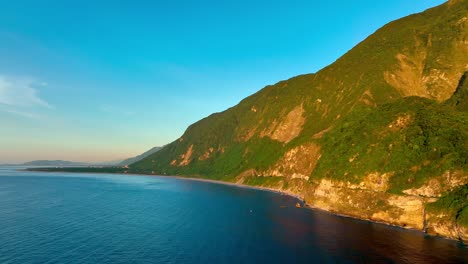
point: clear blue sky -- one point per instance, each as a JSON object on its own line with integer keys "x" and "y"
{"x": 88, "y": 81}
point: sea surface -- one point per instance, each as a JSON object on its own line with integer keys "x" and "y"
{"x": 105, "y": 218}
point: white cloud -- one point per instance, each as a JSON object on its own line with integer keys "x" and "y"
{"x": 20, "y": 96}
{"x": 16, "y": 92}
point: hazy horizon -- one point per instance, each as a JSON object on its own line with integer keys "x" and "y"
{"x": 95, "y": 82}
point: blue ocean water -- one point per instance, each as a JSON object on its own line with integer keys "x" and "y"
{"x": 104, "y": 218}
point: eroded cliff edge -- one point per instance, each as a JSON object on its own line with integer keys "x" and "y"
{"x": 362, "y": 201}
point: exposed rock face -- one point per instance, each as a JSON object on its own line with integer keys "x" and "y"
{"x": 185, "y": 158}
{"x": 207, "y": 154}
{"x": 367, "y": 201}
{"x": 420, "y": 70}
{"x": 377, "y": 182}
{"x": 376, "y": 205}
{"x": 298, "y": 162}
{"x": 437, "y": 186}
{"x": 411, "y": 212}
{"x": 289, "y": 128}
{"x": 442, "y": 224}
{"x": 401, "y": 122}
{"x": 409, "y": 74}
{"x": 463, "y": 233}
{"x": 411, "y": 80}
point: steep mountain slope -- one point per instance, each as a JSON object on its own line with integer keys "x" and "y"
{"x": 379, "y": 134}
{"x": 139, "y": 157}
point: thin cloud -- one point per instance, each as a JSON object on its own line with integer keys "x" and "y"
{"x": 21, "y": 93}
{"x": 23, "y": 114}
{"x": 20, "y": 96}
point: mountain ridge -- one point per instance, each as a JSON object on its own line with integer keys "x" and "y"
{"x": 145, "y": 154}
{"x": 384, "y": 121}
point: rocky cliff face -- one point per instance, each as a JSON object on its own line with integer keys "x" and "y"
{"x": 380, "y": 134}
{"x": 369, "y": 200}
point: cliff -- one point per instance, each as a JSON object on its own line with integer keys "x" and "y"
{"x": 380, "y": 134}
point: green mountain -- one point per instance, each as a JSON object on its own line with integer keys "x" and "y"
{"x": 380, "y": 134}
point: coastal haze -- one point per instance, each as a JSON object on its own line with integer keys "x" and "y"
{"x": 106, "y": 218}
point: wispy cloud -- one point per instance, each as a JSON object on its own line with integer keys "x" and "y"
{"x": 116, "y": 110}
{"x": 20, "y": 92}
{"x": 20, "y": 96}
{"x": 23, "y": 113}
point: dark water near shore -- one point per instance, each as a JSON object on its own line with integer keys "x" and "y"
{"x": 99, "y": 218}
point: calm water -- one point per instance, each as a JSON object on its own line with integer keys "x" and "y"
{"x": 89, "y": 218}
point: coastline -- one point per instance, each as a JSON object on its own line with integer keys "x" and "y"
{"x": 273, "y": 190}
{"x": 303, "y": 205}
{"x": 239, "y": 185}
{"x": 234, "y": 184}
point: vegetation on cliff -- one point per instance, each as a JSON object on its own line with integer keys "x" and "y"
{"x": 453, "y": 204}
{"x": 389, "y": 116}
{"x": 355, "y": 100}
{"x": 387, "y": 120}
{"x": 413, "y": 139}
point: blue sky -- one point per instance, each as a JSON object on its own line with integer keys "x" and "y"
{"x": 103, "y": 80}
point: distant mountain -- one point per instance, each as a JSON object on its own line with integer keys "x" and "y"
{"x": 109, "y": 163}
{"x": 55, "y": 163}
{"x": 380, "y": 134}
{"x": 139, "y": 157}
{"x": 65, "y": 163}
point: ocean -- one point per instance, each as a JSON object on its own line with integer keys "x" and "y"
{"x": 106, "y": 218}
